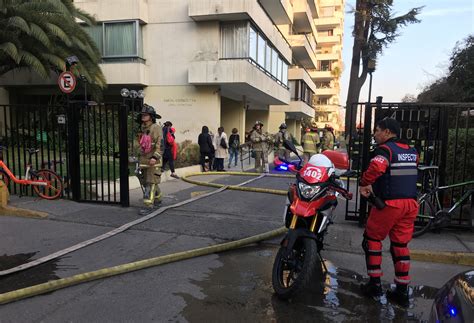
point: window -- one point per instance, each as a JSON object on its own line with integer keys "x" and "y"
{"x": 234, "y": 40}
{"x": 324, "y": 65}
{"x": 117, "y": 39}
{"x": 300, "y": 91}
{"x": 242, "y": 40}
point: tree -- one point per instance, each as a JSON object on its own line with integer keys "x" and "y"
{"x": 375, "y": 28}
{"x": 39, "y": 35}
{"x": 458, "y": 84}
{"x": 409, "y": 98}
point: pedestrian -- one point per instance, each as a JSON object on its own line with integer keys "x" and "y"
{"x": 206, "y": 148}
{"x": 260, "y": 145}
{"x": 280, "y": 137}
{"x": 234, "y": 144}
{"x": 221, "y": 144}
{"x": 151, "y": 151}
{"x": 170, "y": 147}
{"x": 390, "y": 184}
{"x": 311, "y": 142}
{"x": 328, "y": 138}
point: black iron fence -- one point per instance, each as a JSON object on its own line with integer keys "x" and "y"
{"x": 442, "y": 133}
{"x": 87, "y": 145}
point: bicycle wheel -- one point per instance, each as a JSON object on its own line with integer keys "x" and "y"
{"x": 4, "y": 177}
{"x": 425, "y": 218}
{"x": 55, "y": 187}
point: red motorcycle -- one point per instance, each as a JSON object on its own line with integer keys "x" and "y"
{"x": 308, "y": 213}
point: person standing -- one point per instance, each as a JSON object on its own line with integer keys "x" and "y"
{"x": 328, "y": 138}
{"x": 151, "y": 150}
{"x": 390, "y": 180}
{"x": 206, "y": 148}
{"x": 311, "y": 142}
{"x": 169, "y": 145}
{"x": 280, "y": 137}
{"x": 221, "y": 144}
{"x": 234, "y": 144}
{"x": 260, "y": 143}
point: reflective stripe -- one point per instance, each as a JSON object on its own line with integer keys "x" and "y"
{"x": 403, "y": 172}
{"x": 404, "y": 164}
{"x": 375, "y": 271}
{"x": 402, "y": 281}
{"x": 375, "y": 250}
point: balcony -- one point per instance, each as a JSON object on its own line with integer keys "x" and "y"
{"x": 336, "y": 39}
{"x": 329, "y": 91}
{"x": 303, "y": 18}
{"x": 106, "y": 10}
{"x": 327, "y": 108}
{"x": 239, "y": 77}
{"x": 328, "y": 56}
{"x": 321, "y": 75}
{"x": 280, "y": 11}
{"x": 328, "y": 22}
{"x": 135, "y": 73}
{"x": 296, "y": 110}
{"x": 225, "y": 10}
{"x": 314, "y": 7}
{"x": 303, "y": 51}
{"x": 301, "y": 74}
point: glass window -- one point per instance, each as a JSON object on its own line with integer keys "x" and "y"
{"x": 274, "y": 62}
{"x": 285, "y": 74}
{"x": 279, "y": 63}
{"x": 292, "y": 86}
{"x": 325, "y": 65}
{"x": 253, "y": 44}
{"x": 268, "y": 58}
{"x": 95, "y": 32}
{"x": 120, "y": 39}
{"x": 234, "y": 40}
{"x": 261, "y": 51}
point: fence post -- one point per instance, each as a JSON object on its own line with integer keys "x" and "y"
{"x": 365, "y": 158}
{"x": 73, "y": 118}
{"x": 123, "y": 151}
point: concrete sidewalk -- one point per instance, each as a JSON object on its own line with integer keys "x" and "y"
{"x": 343, "y": 235}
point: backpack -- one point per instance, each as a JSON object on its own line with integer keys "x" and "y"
{"x": 235, "y": 143}
{"x": 223, "y": 143}
{"x": 145, "y": 143}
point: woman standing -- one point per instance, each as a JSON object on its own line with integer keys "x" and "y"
{"x": 234, "y": 144}
{"x": 206, "y": 148}
{"x": 221, "y": 144}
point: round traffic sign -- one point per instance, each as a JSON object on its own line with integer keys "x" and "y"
{"x": 67, "y": 82}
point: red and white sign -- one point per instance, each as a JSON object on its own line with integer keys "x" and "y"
{"x": 67, "y": 82}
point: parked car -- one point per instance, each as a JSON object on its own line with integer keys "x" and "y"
{"x": 454, "y": 302}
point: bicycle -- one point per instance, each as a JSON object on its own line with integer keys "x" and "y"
{"x": 434, "y": 216}
{"x": 45, "y": 182}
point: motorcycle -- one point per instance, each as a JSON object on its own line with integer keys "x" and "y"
{"x": 308, "y": 212}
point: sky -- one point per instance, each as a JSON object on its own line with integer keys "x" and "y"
{"x": 419, "y": 55}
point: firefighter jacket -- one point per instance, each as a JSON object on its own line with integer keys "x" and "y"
{"x": 156, "y": 134}
{"x": 260, "y": 141}
{"x": 311, "y": 142}
{"x": 393, "y": 171}
{"x": 280, "y": 137}
{"x": 328, "y": 140}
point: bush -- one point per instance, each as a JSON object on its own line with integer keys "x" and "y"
{"x": 188, "y": 154}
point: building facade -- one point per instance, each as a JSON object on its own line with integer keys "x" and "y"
{"x": 215, "y": 62}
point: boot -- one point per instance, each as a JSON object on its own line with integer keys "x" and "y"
{"x": 399, "y": 295}
{"x": 372, "y": 290}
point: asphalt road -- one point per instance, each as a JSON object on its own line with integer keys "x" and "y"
{"x": 234, "y": 286}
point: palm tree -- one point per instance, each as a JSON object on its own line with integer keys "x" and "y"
{"x": 39, "y": 35}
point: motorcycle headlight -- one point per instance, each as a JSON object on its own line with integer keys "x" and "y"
{"x": 308, "y": 191}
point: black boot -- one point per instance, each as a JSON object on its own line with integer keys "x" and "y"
{"x": 372, "y": 289}
{"x": 399, "y": 295}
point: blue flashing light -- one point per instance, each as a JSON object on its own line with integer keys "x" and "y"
{"x": 283, "y": 167}
{"x": 452, "y": 311}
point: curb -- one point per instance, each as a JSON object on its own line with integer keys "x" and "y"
{"x": 453, "y": 258}
{"x": 13, "y": 211}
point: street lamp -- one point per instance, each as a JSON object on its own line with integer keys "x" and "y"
{"x": 370, "y": 68}
{"x": 131, "y": 97}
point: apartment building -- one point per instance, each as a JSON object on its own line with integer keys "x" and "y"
{"x": 216, "y": 62}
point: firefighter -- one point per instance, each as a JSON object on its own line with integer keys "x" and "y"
{"x": 150, "y": 145}
{"x": 391, "y": 178}
{"x": 328, "y": 138}
{"x": 311, "y": 142}
{"x": 260, "y": 145}
{"x": 282, "y": 135}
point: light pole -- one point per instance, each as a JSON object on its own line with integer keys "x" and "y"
{"x": 370, "y": 68}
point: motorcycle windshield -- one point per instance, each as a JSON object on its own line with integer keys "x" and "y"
{"x": 314, "y": 174}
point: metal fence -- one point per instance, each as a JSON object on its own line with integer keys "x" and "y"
{"x": 443, "y": 134}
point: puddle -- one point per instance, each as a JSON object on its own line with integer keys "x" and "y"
{"x": 241, "y": 290}
{"x": 28, "y": 277}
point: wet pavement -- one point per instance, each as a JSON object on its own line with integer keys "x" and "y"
{"x": 241, "y": 290}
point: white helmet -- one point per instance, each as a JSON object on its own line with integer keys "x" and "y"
{"x": 321, "y": 160}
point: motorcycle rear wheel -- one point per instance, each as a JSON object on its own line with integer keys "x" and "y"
{"x": 301, "y": 262}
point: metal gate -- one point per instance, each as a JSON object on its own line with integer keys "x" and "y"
{"x": 442, "y": 133}
{"x": 87, "y": 145}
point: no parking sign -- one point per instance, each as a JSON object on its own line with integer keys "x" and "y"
{"x": 67, "y": 82}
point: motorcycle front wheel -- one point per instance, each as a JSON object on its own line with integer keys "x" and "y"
{"x": 293, "y": 273}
